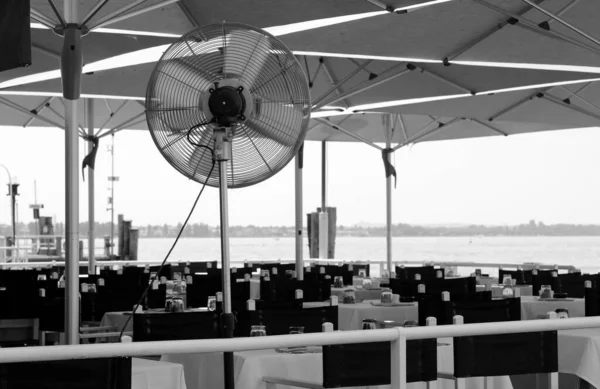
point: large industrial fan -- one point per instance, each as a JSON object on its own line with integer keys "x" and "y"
{"x": 236, "y": 96}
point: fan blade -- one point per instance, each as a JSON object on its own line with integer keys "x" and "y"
{"x": 180, "y": 106}
{"x": 271, "y": 131}
{"x": 245, "y": 55}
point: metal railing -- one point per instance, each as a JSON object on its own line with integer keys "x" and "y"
{"x": 396, "y": 336}
{"x": 377, "y": 267}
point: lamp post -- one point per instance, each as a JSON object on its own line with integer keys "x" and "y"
{"x": 10, "y": 192}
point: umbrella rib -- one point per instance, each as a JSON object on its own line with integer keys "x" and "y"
{"x": 366, "y": 69}
{"x": 436, "y": 76}
{"x": 575, "y": 108}
{"x": 594, "y": 106}
{"x": 494, "y": 129}
{"x": 39, "y": 109}
{"x": 57, "y": 13}
{"x": 484, "y": 36}
{"x": 256, "y": 148}
{"x": 343, "y": 81}
{"x": 419, "y": 137}
{"x": 387, "y": 75}
{"x": 41, "y": 18}
{"x": 528, "y": 24}
{"x": 402, "y": 126}
{"x": 334, "y": 83}
{"x": 563, "y": 22}
{"x": 349, "y": 133}
{"x": 21, "y": 109}
{"x": 111, "y": 114}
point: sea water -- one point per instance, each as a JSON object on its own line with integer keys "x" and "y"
{"x": 582, "y": 252}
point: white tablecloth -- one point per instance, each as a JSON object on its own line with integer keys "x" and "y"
{"x": 205, "y": 371}
{"x": 148, "y": 374}
{"x": 350, "y": 316}
{"x": 579, "y": 354}
{"x": 532, "y": 307}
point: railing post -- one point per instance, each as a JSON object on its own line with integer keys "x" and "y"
{"x": 398, "y": 361}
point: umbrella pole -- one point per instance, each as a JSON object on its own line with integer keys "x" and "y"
{"x": 388, "y": 193}
{"x": 298, "y": 200}
{"x": 222, "y": 155}
{"x": 91, "y": 184}
{"x": 71, "y": 67}
{"x": 323, "y": 216}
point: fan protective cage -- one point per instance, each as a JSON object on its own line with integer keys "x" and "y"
{"x": 276, "y": 110}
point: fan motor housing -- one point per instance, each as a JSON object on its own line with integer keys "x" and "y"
{"x": 227, "y": 104}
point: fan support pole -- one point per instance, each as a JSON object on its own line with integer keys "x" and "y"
{"x": 222, "y": 154}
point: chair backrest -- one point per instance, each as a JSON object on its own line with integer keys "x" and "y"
{"x": 106, "y": 373}
{"x": 459, "y": 286}
{"x": 573, "y": 284}
{"x": 426, "y": 272}
{"x": 405, "y": 288}
{"x": 368, "y": 364}
{"x": 488, "y": 311}
{"x": 316, "y": 287}
{"x": 505, "y": 354}
{"x": 591, "y": 299}
{"x": 543, "y": 277}
{"x": 202, "y": 287}
{"x": 279, "y": 321}
{"x": 154, "y": 326}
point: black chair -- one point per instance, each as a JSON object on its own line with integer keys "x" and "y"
{"x": 506, "y": 354}
{"x": 202, "y": 287}
{"x": 106, "y": 373}
{"x": 155, "y": 326}
{"x": 544, "y": 277}
{"x": 426, "y": 273}
{"x": 573, "y": 284}
{"x": 488, "y": 311}
{"x": 522, "y": 277}
{"x": 316, "y": 287}
{"x": 455, "y": 286}
{"x": 592, "y": 298}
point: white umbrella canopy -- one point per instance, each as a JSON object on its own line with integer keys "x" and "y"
{"x": 178, "y": 17}
{"x": 48, "y": 110}
{"x": 574, "y": 105}
{"x": 353, "y": 83}
{"x": 462, "y": 31}
{"x": 409, "y": 129}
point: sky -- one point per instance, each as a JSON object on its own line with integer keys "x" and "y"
{"x": 552, "y": 177}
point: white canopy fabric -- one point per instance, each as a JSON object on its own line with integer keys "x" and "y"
{"x": 504, "y": 31}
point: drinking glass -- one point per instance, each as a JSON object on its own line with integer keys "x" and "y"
{"x": 258, "y": 331}
{"x": 296, "y": 330}
{"x": 369, "y": 324}
{"x": 338, "y": 281}
{"x": 212, "y": 303}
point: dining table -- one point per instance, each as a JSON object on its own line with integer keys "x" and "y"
{"x": 152, "y": 374}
